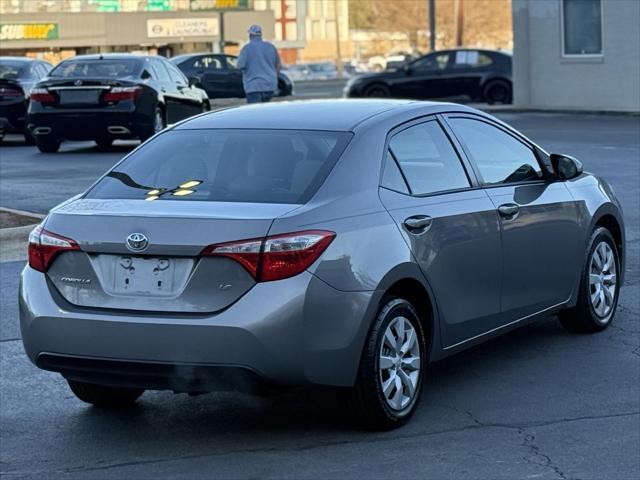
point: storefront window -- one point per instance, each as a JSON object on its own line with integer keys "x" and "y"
{"x": 582, "y": 25}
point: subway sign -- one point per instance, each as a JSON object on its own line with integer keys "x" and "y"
{"x": 204, "y": 5}
{"x": 28, "y": 31}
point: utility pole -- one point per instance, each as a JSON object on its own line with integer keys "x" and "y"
{"x": 221, "y": 27}
{"x": 338, "y": 52}
{"x": 432, "y": 25}
{"x": 458, "y": 11}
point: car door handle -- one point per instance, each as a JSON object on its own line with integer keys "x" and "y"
{"x": 508, "y": 210}
{"x": 418, "y": 223}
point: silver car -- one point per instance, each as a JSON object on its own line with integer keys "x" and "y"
{"x": 340, "y": 243}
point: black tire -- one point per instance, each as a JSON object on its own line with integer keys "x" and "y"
{"x": 369, "y": 405}
{"x": 377, "y": 90}
{"x": 104, "y": 143}
{"x": 583, "y": 318}
{"x": 103, "y": 396}
{"x": 498, "y": 91}
{"x": 48, "y": 145}
{"x": 28, "y": 138}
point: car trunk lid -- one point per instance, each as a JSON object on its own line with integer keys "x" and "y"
{"x": 168, "y": 274}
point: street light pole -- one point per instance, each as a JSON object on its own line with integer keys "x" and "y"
{"x": 432, "y": 25}
{"x": 338, "y": 51}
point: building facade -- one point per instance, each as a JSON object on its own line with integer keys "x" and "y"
{"x": 577, "y": 54}
{"x": 54, "y": 30}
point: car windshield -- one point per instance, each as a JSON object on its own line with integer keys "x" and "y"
{"x": 12, "y": 70}
{"x": 109, "y": 68}
{"x": 226, "y": 165}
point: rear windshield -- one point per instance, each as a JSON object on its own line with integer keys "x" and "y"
{"x": 97, "y": 68}
{"x": 11, "y": 70}
{"x": 258, "y": 166}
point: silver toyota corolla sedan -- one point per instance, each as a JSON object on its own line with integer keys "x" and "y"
{"x": 340, "y": 243}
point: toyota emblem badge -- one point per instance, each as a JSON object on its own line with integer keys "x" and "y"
{"x": 137, "y": 242}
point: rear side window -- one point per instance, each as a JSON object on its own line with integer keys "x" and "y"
{"x": 428, "y": 160}
{"x": 159, "y": 70}
{"x": 176, "y": 75}
{"x": 226, "y": 165}
{"x": 109, "y": 68}
{"x": 499, "y": 156}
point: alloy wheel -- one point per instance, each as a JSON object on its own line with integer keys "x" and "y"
{"x": 603, "y": 279}
{"x": 399, "y": 363}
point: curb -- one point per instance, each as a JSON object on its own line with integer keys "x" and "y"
{"x": 13, "y": 240}
{"x": 13, "y": 243}
{"x": 24, "y": 213}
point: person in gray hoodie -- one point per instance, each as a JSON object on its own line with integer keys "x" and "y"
{"x": 260, "y": 63}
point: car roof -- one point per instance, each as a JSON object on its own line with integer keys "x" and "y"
{"x": 20, "y": 59}
{"x": 110, "y": 56}
{"x": 186, "y": 56}
{"x": 330, "y": 115}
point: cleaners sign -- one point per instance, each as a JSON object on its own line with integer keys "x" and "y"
{"x": 182, "y": 27}
{"x": 28, "y": 31}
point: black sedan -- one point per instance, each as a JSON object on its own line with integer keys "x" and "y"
{"x": 109, "y": 97}
{"x": 219, "y": 76}
{"x": 478, "y": 74}
{"x": 17, "y": 77}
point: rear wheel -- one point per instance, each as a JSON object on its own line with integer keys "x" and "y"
{"x": 377, "y": 90}
{"x": 159, "y": 123}
{"x": 103, "y": 396}
{"x": 391, "y": 368}
{"x": 48, "y": 145}
{"x": 498, "y": 91}
{"x": 599, "y": 287}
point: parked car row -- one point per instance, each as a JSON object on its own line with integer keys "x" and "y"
{"x": 122, "y": 96}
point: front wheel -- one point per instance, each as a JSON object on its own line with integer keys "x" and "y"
{"x": 599, "y": 287}
{"x": 103, "y": 396}
{"x": 48, "y": 145}
{"x": 391, "y": 368}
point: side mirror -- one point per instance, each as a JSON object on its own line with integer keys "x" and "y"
{"x": 566, "y": 167}
{"x": 193, "y": 81}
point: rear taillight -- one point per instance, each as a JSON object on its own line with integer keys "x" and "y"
{"x": 276, "y": 257}
{"x": 44, "y": 246}
{"x": 117, "y": 94}
{"x": 10, "y": 92}
{"x": 42, "y": 95}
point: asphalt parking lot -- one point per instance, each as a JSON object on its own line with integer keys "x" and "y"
{"x": 536, "y": 403}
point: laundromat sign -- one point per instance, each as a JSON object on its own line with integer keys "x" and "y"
{"x": 28, "y": 31}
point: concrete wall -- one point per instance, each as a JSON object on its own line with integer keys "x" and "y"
{"x": 544, "y": 78}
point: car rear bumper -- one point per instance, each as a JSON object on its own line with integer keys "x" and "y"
{"x": 293, "y": 331}
{"x": 89, "y": 124}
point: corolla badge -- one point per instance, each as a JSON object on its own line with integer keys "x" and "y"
{"x": 137, "y": 242}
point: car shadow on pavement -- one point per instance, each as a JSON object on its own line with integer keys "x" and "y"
{"x": 324, "y": 409}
